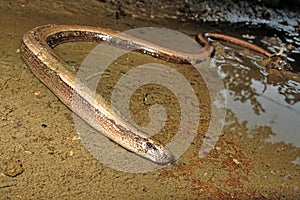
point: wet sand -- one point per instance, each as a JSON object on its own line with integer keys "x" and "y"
{"x": 42, "y": 157}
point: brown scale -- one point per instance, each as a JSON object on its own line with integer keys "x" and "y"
{"x": 273, "y": 61}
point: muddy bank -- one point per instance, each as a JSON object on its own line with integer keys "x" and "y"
{"x": 42, "y": 157}
{"x": 277, "y": 19}
{"x": 277, "y": 14}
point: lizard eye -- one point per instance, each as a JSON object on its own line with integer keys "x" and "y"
{"x": 150, "y": 146}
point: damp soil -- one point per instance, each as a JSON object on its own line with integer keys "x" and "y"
{"x": 256, "y": 154}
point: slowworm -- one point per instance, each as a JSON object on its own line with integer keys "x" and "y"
{"x": 274, "y": 63}
{"x": 38, "y": 54}
{"x": 201, "y": 38}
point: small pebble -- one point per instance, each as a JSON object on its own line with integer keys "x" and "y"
{"x": 13, "y": 168}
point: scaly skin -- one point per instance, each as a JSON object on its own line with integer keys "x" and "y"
{"x": 39, "y": 56}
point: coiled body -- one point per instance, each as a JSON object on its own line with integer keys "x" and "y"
{"x": 38, "y": 54}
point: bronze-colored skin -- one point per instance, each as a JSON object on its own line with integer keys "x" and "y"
{"x": 274, "y": 63}
{"x": 38, "y": 54}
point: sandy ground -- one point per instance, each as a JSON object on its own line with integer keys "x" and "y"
{"x": 42, "y": 157}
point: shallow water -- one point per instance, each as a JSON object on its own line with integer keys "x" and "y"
{"x": 258, "y": 98}
{"x": 256, "y": 154}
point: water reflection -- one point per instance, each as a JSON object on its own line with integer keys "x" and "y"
{"x": 241, "y": 83}
{"x": 259, "y": 97}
